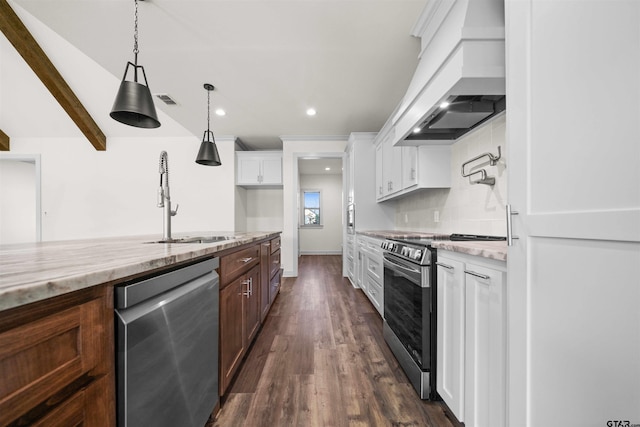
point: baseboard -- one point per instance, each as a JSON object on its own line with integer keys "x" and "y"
{"x": 321, "y": 252}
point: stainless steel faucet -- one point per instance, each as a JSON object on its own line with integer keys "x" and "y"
{"x": 164, "y": 198}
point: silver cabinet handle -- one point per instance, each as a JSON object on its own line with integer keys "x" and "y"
{"x": 482, "y": 276}
{"x": 248, "y": 283}
{"x": 510, "y": 236}
{"x": 448, "y": 267}
{"x": 245, "y": 260}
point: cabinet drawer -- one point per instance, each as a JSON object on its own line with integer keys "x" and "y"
{"x": 41, "y": 358}
{"x": 375, "y": 268}
{"x": 232, "y": 265}
{"x": 275, "y": 263}
{"x": 275, "y": 244}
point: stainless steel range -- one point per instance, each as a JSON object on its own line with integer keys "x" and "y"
{"x": 410, "y": 295}
{"x": 409, "y": 310}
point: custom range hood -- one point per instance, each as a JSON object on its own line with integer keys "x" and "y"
{"x": 460, "y": 79}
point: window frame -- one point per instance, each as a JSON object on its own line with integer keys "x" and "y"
{"x": 303, "y": 207}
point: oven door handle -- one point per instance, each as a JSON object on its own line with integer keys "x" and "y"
{"x": 402, "y": 267}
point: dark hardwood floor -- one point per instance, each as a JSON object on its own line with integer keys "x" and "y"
{"x": 320, "y": 360}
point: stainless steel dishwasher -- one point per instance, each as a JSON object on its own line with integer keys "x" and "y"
{"x": 167, "y": 348}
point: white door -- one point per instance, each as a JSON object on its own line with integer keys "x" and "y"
{"x": 573, "y": 114}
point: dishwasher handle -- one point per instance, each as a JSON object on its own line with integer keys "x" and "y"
{"x": 131, "y": 314}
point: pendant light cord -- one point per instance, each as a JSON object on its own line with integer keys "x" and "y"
{"x": 135, "y": 32}
{"x": 208, "y": 112}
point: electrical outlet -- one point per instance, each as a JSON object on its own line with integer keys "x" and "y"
{"x": 436, "y": 216}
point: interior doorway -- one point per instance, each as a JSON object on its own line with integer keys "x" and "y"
{"x": 320, "y": 206}
{"x": 296, "y": 199}
{"x": 20, "y": 218}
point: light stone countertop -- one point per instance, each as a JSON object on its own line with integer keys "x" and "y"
{"x": 492, "y": 250}
{"x": 402, "y": 234}
{"x": 36, "y": 271}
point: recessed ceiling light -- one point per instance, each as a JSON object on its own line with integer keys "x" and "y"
{"x": 327, "y": 169}
{"x": 417, "y": 130}
{"x": 444, "y": 105}
{"x": 221, "y": 112}
{"x": 311, "y": 112}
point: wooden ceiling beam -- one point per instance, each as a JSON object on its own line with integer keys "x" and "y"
{"x": 26, "y": 45}
{"x": 4, "y": 141}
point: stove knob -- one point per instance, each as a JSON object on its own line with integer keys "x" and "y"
{"x": 390, "y": 246}
{"x": 417, "y": 254}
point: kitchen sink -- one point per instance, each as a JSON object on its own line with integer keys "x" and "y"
{"x": 197, "y": 239}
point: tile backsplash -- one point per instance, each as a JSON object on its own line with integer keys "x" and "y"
{"x": 465, "y": 207}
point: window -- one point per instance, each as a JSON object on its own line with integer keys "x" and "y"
{"x": 311, "y": 212}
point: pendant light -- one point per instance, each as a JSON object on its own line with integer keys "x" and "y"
{"x": 208, "y": 153}
{"x": 134, "y": 105}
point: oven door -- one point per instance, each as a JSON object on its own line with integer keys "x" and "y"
{"x": 407, "y": 306}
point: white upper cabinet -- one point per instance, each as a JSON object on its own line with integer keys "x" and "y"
{"x": 259, "y": 168}
{"x": 401, "y": 170}
{"x": 391, "y": 168}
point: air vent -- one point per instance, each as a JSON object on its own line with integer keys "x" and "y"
{"x": 166, "y": 98}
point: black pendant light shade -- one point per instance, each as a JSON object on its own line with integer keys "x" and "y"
{"x": 208, "y": 153}
{"x": 134, "y": 105}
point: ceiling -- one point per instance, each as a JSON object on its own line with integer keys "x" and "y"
{"x": 320, "y": 166}
{"x": 269, "y": 60}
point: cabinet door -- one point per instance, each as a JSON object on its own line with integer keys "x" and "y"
{"x": 271, "y": 171}
{"x": 274, "y": 287}
{"x": 232, "y": 327}
{"x": 485, "y": 330}
{"x": 379, "y": 172}
{"x": 265, "y": 251}
{"x": 44, "y": 360}
{"x": 391, "y": 168}
{"x": 252, "y": 310}
{"x": 409, "y": 167}
{"x": 248, "y": 171}
{"x": 574, "y": 323}
{"x": 451, "y": 334}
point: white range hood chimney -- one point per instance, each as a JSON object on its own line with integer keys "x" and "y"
{"x": 462, "y": 61}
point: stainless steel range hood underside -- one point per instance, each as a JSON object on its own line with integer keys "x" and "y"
{"x": 462, "y": 114}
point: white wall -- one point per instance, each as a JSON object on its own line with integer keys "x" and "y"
{"x": 328, "y": 239}
{"x": 265, "y": 209}
{"x": 293, "y": 148}
{"x": 88, "y": 193}
{"x": 17, "y": 202}
{"x": 464, "y": 208}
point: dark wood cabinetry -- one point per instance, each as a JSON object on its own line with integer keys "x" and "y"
{"x": 247, "y": 290}
{"x": 56, "y": 361}
{"x": 265, "y": 300}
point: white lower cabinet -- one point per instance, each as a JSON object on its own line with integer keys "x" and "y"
{"x": 350, "y": 258}
{"x": 370, "y": 258}
{"x": 450, "y": 334}
{"x": 471, "y": 358}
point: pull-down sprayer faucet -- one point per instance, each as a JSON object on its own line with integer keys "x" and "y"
{"x": 164, "y": 199}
